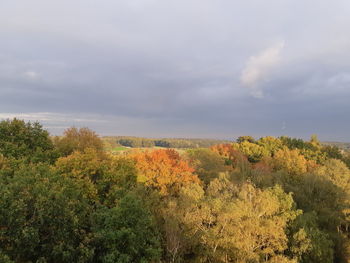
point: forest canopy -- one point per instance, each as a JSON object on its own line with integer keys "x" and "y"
{"x": 71, "y": 199}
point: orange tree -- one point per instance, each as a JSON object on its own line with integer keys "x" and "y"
{"x": 164, "y": 170}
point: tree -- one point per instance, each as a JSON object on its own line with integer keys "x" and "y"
{"x": 246, "y": 138}
{"x": 290, "y": 161}
{"x": 314, "y": 141}
{"x": 44, "y": 217}
{"x": 336, "y": 171}
{"x": 29, "y": 141}
{"x": 75, "y": 139}
{"x": 125, "y": 233}
{"x": 308, "y": 243}
{"x": 232, "y": 223}
{"x": 86, "y": 168}
{"x": 332, "y": 152}
{"x": 4, "y": 258}
{"x": 346, "y": 158}
{"x": 3, "y": 162}
{"x": 120, "y": 179}
{"x": 164, "y": 170}
{"x": 231, "y": 155}
{"x": 253, "y": 151}
{"x": 208, "y": 164}
{"x": 248, "y": 224}
{"x": 179, "y": 215}
{"x": 104, "y": 177}
{"x": 271, "y": 144}
{"x": 311, "y": 150}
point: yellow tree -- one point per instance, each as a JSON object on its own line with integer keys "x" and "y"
{"x": 337, "y": 172}
{"x": 234, "y": 223}
{"x": 271, "y": 144}
{"x": 102, "y": 175}
{"x": 253, "y": 151}
{"x": 291, "y": 161}
{"x": 86, "y": 167}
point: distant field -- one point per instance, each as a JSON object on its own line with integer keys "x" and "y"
{"x": 119, "y": 148}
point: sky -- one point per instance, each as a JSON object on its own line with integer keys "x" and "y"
{"x": 184, "y": 68}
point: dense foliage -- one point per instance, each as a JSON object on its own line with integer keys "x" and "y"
{"x": 77, "y": 140}
{"x": 20, "y": 140}
{"x": 66, "y": 199}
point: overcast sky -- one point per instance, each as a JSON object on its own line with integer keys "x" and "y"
{"x": 179, "y": 68}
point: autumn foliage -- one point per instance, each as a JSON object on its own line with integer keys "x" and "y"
{"x": 164, "y": 170}
{"x": 77, "y": 140}
{"x": 267, "y": 200}
{"x": 231, "y": 155}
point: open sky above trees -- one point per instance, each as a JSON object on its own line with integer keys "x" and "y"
{"x": 180, "y": 68}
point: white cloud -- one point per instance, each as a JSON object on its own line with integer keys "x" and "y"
{"x": 258, "y": 67}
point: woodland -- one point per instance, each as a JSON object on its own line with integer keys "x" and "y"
{"x": 139, "y": 142}
{"x": 71, "y": 199}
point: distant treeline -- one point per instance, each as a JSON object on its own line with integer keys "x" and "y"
{"x": 341, "y": 145}
{"x": 138, "y": 142}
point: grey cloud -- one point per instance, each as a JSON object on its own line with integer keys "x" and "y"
{"x": 175, "y": 68}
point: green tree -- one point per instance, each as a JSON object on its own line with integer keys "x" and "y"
{"x": 245, "y": 138}
{"x": 332, "y": 152}
{"x": 126, "y": 233}
{"x": 308, "y": 243}
{"x": 29, "y": 141}
{"x": 44, "y": 217}
{"x": 4, "y": 258}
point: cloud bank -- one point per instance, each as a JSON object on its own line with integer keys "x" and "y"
{"x": 188, "y": 68}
